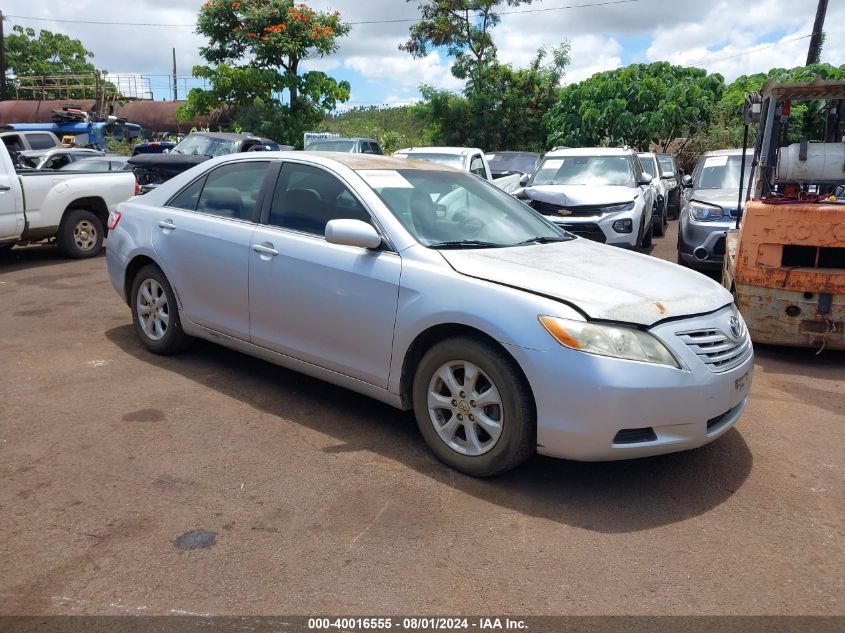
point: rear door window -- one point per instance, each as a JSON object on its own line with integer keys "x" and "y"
{"x": 233, "y": 190}
{"x": 13, "y": 143}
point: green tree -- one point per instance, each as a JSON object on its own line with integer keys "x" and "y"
{"x": 462, "y": 27}
{"x": 256, "y": 48}
{"x": 44, "y": 53}
{"x": 637, "y": 106}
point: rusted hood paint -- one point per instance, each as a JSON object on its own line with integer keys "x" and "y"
{"x": 604, "y": 282}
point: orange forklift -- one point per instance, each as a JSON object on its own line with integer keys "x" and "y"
{"x": 785, "y": 261}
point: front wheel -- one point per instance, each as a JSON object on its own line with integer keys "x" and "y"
{"x": 473, "y": 407}
{"x": 649, "y": 231}
{"x": 155, "y": 314}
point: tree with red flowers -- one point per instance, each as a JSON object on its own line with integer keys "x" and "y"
{"x": 256, "y": 48}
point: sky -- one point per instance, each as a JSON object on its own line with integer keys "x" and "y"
{"x": 729, "y": 37}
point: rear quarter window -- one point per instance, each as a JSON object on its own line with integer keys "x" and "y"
{"x": 41, "y": 141}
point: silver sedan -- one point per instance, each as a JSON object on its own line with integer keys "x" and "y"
{"x": 430, "y": 289}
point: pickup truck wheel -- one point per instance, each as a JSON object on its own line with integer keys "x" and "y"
{"x": 80, "y": 234}
{"x": 473, "y": 407}
{"x": 155, "y": 314}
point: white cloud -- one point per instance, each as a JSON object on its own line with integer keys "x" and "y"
{"x": 405, "y": 71}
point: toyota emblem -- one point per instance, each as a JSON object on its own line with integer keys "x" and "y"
{"x": 736, "y": 327}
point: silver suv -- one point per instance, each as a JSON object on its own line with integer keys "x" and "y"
{"x": 600, "y": 193}
{"x": 709, "y": 207}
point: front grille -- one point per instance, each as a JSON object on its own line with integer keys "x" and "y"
{"x": 589, "y": 230}
{"x": 716, "y": 349}
{"x": 582, "y": 211}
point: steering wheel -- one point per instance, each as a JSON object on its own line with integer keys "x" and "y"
{"x": 471, "y": 225}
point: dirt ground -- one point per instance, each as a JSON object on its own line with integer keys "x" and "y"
{"x": 312, "y": 500}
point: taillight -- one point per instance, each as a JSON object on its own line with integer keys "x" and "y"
{"x": 137, "y": 188}
{"x": 114, "y": 218}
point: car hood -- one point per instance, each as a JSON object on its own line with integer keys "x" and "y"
{"x": 577, "y": 195}
{"x": 725, "y": 198}
{"x": 604, "y": 282}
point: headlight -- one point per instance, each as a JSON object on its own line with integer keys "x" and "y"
{"x": 671, "y": 183}
{"x": 608, "y": 340}
{"x": 705, "y": 212}
{"x": 618, "y": 208}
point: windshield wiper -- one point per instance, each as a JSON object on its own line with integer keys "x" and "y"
{"x": 544, "y": 239}
{"x": 466, "y": 244}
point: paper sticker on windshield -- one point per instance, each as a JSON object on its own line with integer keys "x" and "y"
{"x": 715, "y": 161}
{"x": 384, "y": 179}
{"x": 553, "y": 163}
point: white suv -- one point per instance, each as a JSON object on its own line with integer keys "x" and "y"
{"x": 599, "y": 193}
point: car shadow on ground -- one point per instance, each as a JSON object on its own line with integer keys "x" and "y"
{"x": 37, "y": 256}
{"x": 609, "y": 497}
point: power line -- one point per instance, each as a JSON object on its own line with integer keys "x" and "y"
{"x": 749, "y": 51}
{"x": 358, "y": 22}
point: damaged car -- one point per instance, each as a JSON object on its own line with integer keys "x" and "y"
{"x": 503, "y": 333}
{"x": 602, "y": 194}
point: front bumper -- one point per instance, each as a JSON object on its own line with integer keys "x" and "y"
{"x": 584, "y": 401}
{"x": 769, "y": 314}
{"x": 710, "y": 236}
{"x": 600, "y": 228}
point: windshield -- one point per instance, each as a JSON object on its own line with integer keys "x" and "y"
{"x": 444, "y": 209}
{"x": 514, "y": 163}
{"x": 722, "y": 172}
{"x": 332, "y": 146}
{"x": 585, "y": 170}
{"x": 205, "y": 146}
{"x": 667, "y": 165}
{"x": 450, "y": 160}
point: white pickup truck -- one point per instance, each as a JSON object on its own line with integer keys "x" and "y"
{"x": 72, "y": 207}
{"x": 469, "y": 159}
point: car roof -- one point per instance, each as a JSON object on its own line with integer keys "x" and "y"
{"x": 231, "y": 136}
{"x": 647, "y": 154}
{"x": 456, "y": 151}
{"x": 366, "y": 161}
{"x": 737, "y": 151}
{"x": 342, "y": 138}
{"x": 511, "y": 153}
{"x": 590, "y": 151}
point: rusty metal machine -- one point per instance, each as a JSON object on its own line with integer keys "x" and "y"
{"x": 785, "y": 263}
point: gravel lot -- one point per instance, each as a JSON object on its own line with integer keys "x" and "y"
{"x": 313, "y": 500}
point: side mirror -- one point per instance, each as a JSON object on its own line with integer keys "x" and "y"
{"x": 686, "y": 181}
{"x": 645, "y": 180}
{"x": 523, "y": 180}
{"x": 352, "y": 233}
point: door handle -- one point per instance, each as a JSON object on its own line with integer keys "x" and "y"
{"x": 167, "y": 225}
{"x": 4, "y": 188}
{"x": 265, "y": 248}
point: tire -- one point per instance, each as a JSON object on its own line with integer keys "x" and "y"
{"x": 80, "y": 234}
{"x": 498, "y": 380}
{"x": 659, "y": 228}
{"x": 647, "y": 237}
{"x": 160, "y": 332}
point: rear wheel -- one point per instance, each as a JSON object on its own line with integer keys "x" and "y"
{"x": 473, "y": 407}
{"x": 659, "y": 221}
{"x": 80, "y": 234}
{"x": 155, "y": 314}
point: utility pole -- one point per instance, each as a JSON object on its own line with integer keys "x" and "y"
{"x": 2, "y": 59}
{"x": 175, "y": 92}
{"x": 815, "y": 51}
